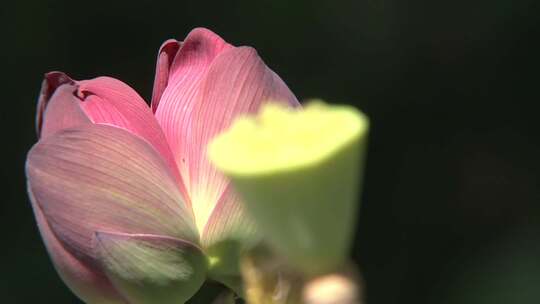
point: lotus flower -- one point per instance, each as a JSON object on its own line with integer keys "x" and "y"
{"x": 129, "y": 207}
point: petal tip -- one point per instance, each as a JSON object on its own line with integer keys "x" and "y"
{"x": 203, "y": 32}
{"x": 166, "y": 54}
{"x": 51, "y": 81}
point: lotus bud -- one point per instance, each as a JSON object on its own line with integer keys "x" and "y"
{"x": 128, "y": 205}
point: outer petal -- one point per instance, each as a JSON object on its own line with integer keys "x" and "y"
{"x": 223, "y": 223}
{"x": 103, "y": 178}
{"x": 152, "y": 269}
{"x": 88, "y": 283}
{"x": 237, "y": 82}
{"x": 185, "y": 74}
{"x": 67, "y": 103}
{"x": 228, "y": 232}
{"x": 167, "y": 53}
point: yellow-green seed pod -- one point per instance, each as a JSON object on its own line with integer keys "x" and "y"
{"x": 298, "y": 172}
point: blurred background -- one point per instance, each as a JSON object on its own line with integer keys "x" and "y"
{"x": 450, "y": 210}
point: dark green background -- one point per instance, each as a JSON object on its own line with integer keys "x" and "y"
{"x": 450, "y": 211}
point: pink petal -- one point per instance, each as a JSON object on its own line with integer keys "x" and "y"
{"x": 89, "y": 284}
{"x": 236, "y": 83}
{"x": 151, "y": 268}
{"x": 102, "y": 100}
{"x": 62, "y": 111}
{"x": 167, "y": 53}
{"x": 228, "y": 222}
{"x": 109, "y": 101}
{"x": 228, "y": 232}
{"x": 183, "y": 69}
{"x": 198, "y": 50}
{"x": 51, "y": 82}
{"x": 99, "y": 177}
{"x": 184, "y": 76}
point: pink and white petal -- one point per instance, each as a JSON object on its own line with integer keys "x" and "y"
{"x": 167, "y": 53}
{"x": 106, "y": 100}
{"x": 62, "y": 111}
{"x": 229, "y": 221}
{"x": 100, "y": 177}
{"x": 237, "y": 83}
{"x": 51, "y": 82}
{"x": 88, "y": 283}
{"x": 185, "y": 74}
{"x": 227, "y": 234}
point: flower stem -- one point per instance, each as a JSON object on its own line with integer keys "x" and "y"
{"x": 269, "y": 280}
